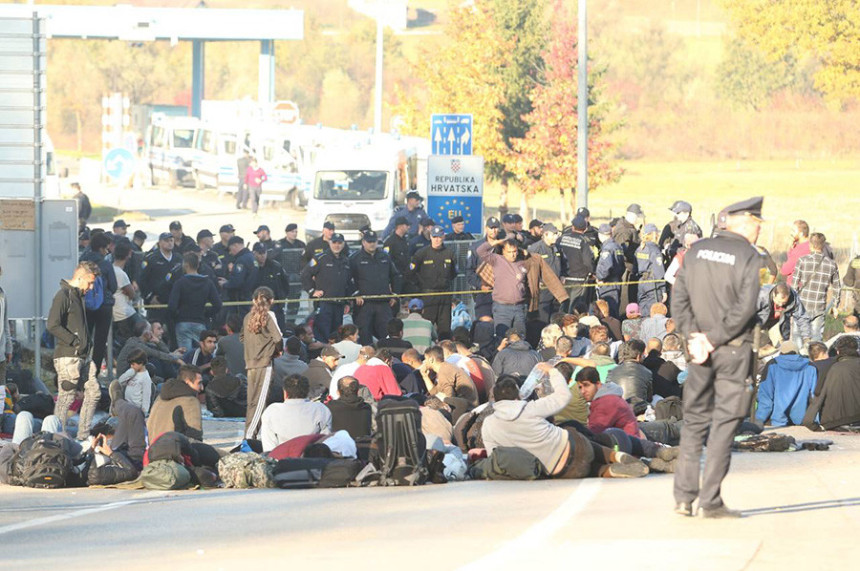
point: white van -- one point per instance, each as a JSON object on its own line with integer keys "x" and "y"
{"x": 170, "y": 150}
{"x": 218, "y": 149}
{"x": 355, "y": 188}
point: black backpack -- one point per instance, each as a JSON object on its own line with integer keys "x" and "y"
{"x": 39, "y": 405}
{"x": 42, "y": 461}
{"x": 402, "y": 446}
{"x": 670, "y": 408}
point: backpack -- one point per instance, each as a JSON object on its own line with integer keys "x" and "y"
{"x": 402, "y": 446}
{"x": 507, "y": 463}
{"x": 246, "y": 470}
{"x": 165, "y": 475}
{"x": 340, "y": 473}
{"x": 299, "y": 473}
{"x": 40, "y": 405}
{"x": 96, "y": 296}
{"x": 670, "y": 408}
{"x": 42, "y": 461}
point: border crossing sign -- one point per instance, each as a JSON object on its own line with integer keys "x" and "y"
{"x": 455, "y": 187}
{"x": 451, "y": 134}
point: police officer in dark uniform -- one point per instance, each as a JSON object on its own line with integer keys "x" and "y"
{"x": 435, "y": 266}
{"x": 329, "y": 275}
{"x": 291, "y": 241}
{"x": 509, "y": 225}
{"x": 714, "y": 305}
{"x": 610, "y": 268}
{"x": 533, "y": 236}
{"x": 412, "y": 211}
{"x": 138, "y": 238}
{"x": 546, "y": 249}
{"x": 672, "y": 237}
{"x": 208, "y": 257}
{"x": 649, "y": 266}
{"x": 457, "y": 233}
{"x": 591, "y": 233}
{"x": 483, "y": 301}
{"x": 271, "y": 274}
{"x": 625, "y": 232}
{"x": 373, "y": 273}
{"x": 181, "y": 242}
{"x": 578, "y": 264}
{"x": 239, "y": 284}
{"x": 397, "y": 247}
{"x": 422, "y": 239}
{"x": 319, "y": 245}
{"x": 264, "y": 237}
{"x": 161, "y": 268}
{"x": 222, "y": 249}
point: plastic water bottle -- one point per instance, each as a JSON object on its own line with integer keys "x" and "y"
{"x": 530, "y": 383}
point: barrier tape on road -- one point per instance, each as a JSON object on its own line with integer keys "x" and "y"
{"x": 409, "y": 295}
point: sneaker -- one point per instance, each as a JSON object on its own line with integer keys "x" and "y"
{"x": 668, "y": 453}
{"x": 684, "y": 509}
{"x": 721, "y": 512}
{"x": 625, "y": 458}
{"x": 660, "y": 465}
{"x": 636, "y": 470}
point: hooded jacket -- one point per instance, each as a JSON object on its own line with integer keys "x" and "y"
{"x": 67, "y": 322}
{"x": 839, "y": 402}
{"x": 130, "y": 430}
{"x": 785, "y": 393}
{"x": 608, "y": 409}
{"x": 176, "y": 409}
{"x": 189, "y": 296}
{"x": 518, "y": 358}
{"x": 524, "y": 424}
{"x": 793, "y": 309}
{"x": 634, "y": 379}
{"x": 352, "y": 414}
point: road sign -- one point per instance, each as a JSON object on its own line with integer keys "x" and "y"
{"x": 286, "y": 112}
{"x": 455, "y": 187}
{"x": 451, "y": 135}
{"x": 119, "y": 164}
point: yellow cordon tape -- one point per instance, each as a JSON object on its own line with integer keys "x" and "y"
{"x": 409, "y": 295}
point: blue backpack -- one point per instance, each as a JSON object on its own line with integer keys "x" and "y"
{"x": 96, "y": 296}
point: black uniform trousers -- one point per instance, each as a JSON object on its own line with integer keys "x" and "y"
{"x": 716, "y": 399}
{"x": 437, "y": 310}
{"x": 580, "y": 295}
{"x": 372, "y": 320}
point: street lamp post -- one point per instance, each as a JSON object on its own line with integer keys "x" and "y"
{"x": 582, "y": 110}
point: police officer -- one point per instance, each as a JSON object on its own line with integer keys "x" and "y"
{"x": 181, "y": 242}
{"x": 509, "y": 225}
{"x": 291, "y": 241}
{"x": 533, "y": 236}
{"x": 483, "y": 301}
{"x": 397, "y": 247}
{"x": 578, "y": 264}
{"x": 239, "y": 283}
{"x": 264, "y": 237}
{"x": 591, "y": 233}
{"x": 672, "y": 237}
{"x": 422, "y": 239}
{"x": 222, "y": 249}
{"x": 457, "y": 233}
{"x": 203, "y": 268}
{"x": 319, "y": 245}
{"x": 412, "y": 211}
{"x": 161, "y": 268}
{"x": 329, "y": 275}
{"x": 435, "y": 267}
{"x": 625, "y": 232}
{"x": 714, "y": 305}
{"x": 271, "y": 274}
{"x": 373, "y": 273}
{"x": 208, "y": 257}
{"x": 546, "y": 249}
{"x": 610, "y": 268}
{"x": 649, "y": 266}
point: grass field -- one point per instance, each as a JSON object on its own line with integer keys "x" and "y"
{"x": 824, "y": 193}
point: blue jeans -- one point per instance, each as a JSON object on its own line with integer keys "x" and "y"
{"x": 187, "y": 333}
{"x": 509, "y": 316}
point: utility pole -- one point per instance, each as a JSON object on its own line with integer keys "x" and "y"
{"x": 377, "y": 99}
{"x": 582, "y": 110}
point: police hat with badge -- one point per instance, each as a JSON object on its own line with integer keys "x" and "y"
{"x": 749, "y": 207}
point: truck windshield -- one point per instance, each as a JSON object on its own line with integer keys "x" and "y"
{"x": 182, "y": 138}
{"x": 351, "y": 185}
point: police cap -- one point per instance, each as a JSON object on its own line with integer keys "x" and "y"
{"x": 337, "y": 238}
{"x": 401, "y": 221}
{"x": 291, "y": 226}
{"x": 751, "y": 207}
{"x": 604, "y": 229}
{"x": 370, "y": 236}
{"x": 579, "y": 223}
{"x": 457, "y": 220}
{"x": 259, "y": 248}
{"x": 535, "y": 223}
{"x": 508, "y": 219}
{"x": 84, "y": 235}
{"x": 121, "y": 224}
{"x": 235, "y": 240}
{"x": 165, "y": 236}
{"x": 584, "y": 212}
{"x": 437, "y": 232}
{"x": 493, "y": 222}
{"x": 549, "y": 228}
{"x": 681, "y": 206}
{"x": 427, "y": 222}
{"x": 328, "y": 225}
{"x": 175, "y": 225}
{"x": 227, "y": 228}
{"x": 413, "y": 195}
{"x": 649, "y": 229}
{"x": 204, "y": 234}
{"x": 635, "y": 209}
{"x": 261, "y": 228}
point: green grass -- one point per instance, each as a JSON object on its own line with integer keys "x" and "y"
{"x": 821, "y": 192}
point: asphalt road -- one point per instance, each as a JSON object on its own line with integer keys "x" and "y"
{"x": 802, "y": 512}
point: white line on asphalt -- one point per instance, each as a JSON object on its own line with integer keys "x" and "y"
{"x": 70, "y": 515}
{"x": 541, "y": 531}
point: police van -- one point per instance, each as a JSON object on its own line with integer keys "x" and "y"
{"x": 170, "y": 150}
{"x": 361, "y": 187}
{"x": 218, "y": 149}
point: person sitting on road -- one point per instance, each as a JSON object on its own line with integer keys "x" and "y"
{"x": 633, "y": 323}
{"x": 296, "y": 416}
{"x": 787, "y": 388}
{"x": 563, "y": 452}
{"x": 349, "y": 411}
{"x": 395, "y": 341}
{"x": 348, "y": 345}
{"x": 378, "y": 377}
{"x": 515, "y": 356}
{"x": 177, "y": 408}
{"x": 164, "y": 364}
{"x": 447, "y": 380}
{"x": 631, "y": 375}
{"x": 289, "y": 363}
{"x": 655, "y": 324}
{"x": 226, "y": 394}
{"x": 839, "y": 402}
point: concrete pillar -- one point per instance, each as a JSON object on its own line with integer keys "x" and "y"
{"x": 266, "y": 86}
{"x": 198, "y": 77}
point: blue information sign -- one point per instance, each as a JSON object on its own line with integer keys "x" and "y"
{"x": 451, "y": 134}
{"x": 119, "y": 164}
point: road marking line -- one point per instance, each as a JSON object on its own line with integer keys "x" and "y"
{"x": 74, "y": 514}
{"x": 541, "y": 531}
